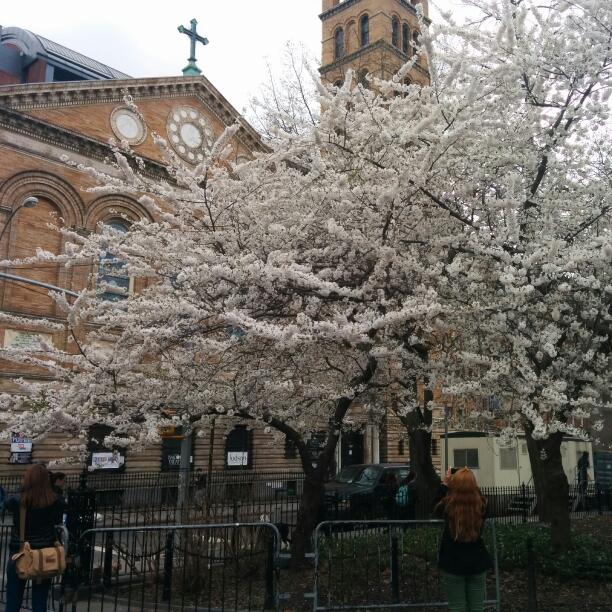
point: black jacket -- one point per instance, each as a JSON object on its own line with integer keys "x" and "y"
{"x": 39, "y": 524}
{"x": 461, "y": 558}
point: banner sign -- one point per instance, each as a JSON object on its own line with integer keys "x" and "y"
{"x": 237, "y": 458}
{"x": 21, "y": 449}
{"x": 106, "y": 461}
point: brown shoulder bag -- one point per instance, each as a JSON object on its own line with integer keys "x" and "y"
{"x": 39, "y": 563}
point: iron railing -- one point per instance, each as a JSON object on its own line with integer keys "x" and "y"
{"x": 383, "y": 565}
{"x": 133, "y": 499}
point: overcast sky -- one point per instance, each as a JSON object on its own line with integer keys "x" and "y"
{"x": 141, "y": 38}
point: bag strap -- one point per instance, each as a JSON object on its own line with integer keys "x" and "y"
{"x": 22, "y": 519}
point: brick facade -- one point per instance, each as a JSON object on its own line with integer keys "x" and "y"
{"x": 39, "y": 125}
{"x": 41, "y": 122}
{"x": 379, "y": 55}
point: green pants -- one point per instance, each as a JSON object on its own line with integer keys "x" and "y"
{"x": 465, "y": 593}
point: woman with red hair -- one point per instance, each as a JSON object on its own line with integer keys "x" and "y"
{"x": 463, "y": 557}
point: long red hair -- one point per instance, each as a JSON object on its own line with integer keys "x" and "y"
{"x": 464, "y": 506}
{"x": 36, "y": 491}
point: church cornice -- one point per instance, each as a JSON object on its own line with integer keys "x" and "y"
{"x": 63, "y": 138}
{"x": 348, "y": 3}
{"x": 380, "y": 44}
{"x": 48, "y": 95}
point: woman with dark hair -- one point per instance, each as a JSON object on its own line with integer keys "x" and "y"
{"x": 463, "y": 557}
{"x": 43, "y": 510}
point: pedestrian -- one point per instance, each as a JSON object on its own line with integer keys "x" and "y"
{"x": 406, "y": 498}
{"x": 463, "y": 558}
{"x": 58, "y": 483}
{"x": 43, "y": 510}
{"x": 389, "y": 490}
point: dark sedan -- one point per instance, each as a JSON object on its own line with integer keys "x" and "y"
{"x": 364, "y": 491}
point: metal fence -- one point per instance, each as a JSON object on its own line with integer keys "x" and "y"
{"x": 133, "y": 499}
{"x": 371, "y": 565}
{"x": 161, "y": 488}
{"x": 508, "y": 505}
{"x": 181, "y": 567}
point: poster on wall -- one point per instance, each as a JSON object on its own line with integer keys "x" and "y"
{"x": 237, "y": 459}
{"x": 106, "y": 461}
{"x": 26, "y": 340}
{"x": 21, "y": 449}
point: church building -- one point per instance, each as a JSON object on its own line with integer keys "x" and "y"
{"x": 57, "y": 103}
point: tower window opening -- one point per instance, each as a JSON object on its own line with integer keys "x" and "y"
{"x": 395, "y": 31}
{"x": 339, "y": 43}
{"x": 405, "y": 39}
{"x": 364, "y": 30}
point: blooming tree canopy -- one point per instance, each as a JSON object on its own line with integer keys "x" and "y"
{"x": 457, "y": 233}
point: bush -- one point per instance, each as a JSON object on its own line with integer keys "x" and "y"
{"x": 586, "y": 558}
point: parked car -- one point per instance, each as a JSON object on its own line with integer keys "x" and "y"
{"x": 364, "y": 491}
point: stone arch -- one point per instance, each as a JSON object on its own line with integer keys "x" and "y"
{"x": 406, "y": 38}
{"x": 114, "y": 206}
{"x": 339, "y": 44}
{"x": 351, "y": 40}
{"x": 362, "y": 77}
{"x": 48, "y": 186}
{"x": 364, "y": 29}
{"x": 28, "y": 231}
{"x": 396, "y": 30}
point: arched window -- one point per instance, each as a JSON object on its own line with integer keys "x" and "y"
{"x": 395, "y": 31}
{"x": 111, "y": 272}
{"x": 405, "y": 39}
{"x": 364, "y": 30}
{"x": 339, "y": 43}
{"x": 362, "y": 77}
{"x": 28, "y": 231}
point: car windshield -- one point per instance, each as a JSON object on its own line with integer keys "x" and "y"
{"x": 348, "y": 474}
{"x": 368, "y": 476}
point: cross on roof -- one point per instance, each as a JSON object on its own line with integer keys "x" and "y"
{"x": 191, "y": 69}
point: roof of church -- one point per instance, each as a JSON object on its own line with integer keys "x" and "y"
{"x": 35, "y": 46}
{"x": 25, "y": 96}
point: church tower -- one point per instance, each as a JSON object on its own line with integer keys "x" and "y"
{"x": 370, "y": 36}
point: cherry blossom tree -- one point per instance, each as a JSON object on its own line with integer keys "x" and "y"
{"x": 452, "y": 236}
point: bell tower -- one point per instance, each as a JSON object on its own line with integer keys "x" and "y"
{"x": 370, "y": 36}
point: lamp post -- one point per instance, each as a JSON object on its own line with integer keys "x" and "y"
{"x": 29, "y": 202}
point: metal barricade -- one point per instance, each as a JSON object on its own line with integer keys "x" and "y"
{"x": 55, "y": 599}
{"x": 177, "y": 567}
{"x": 384, "y": 564}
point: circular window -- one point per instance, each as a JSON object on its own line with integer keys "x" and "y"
{"x": 127, "y": 125}
{"x": 189, "y": 134}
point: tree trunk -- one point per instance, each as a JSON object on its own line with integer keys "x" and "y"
{"x": 427, "y": 479}
{"x": 418, "y": 424}
{"x": 311, "y": 503}
{"x": 308, "y": 515}
{"x": 551, "y": 485}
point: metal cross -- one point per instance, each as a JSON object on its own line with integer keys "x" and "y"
{"x": 191, "y": 69}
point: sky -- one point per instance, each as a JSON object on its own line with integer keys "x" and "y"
{"x": 141, "y": 39}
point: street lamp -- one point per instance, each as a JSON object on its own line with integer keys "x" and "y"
{"x": 29, "y": 202}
